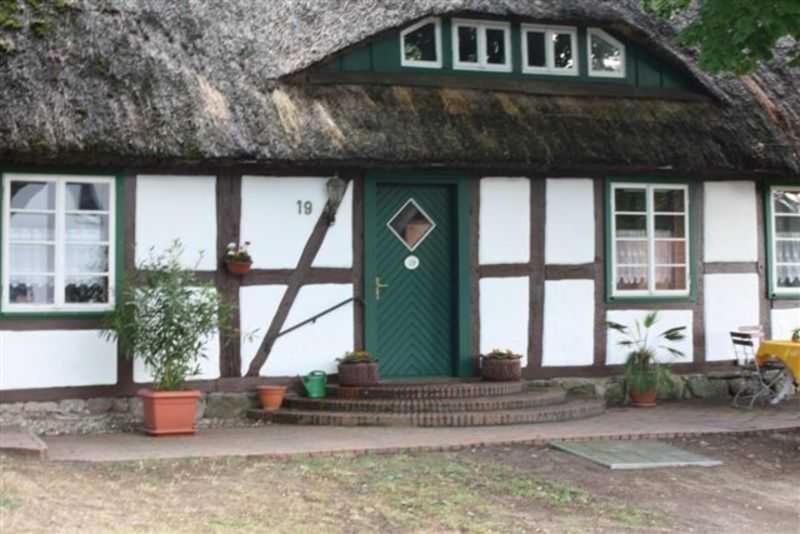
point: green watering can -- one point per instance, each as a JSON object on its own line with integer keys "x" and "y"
{"x": 315, "y": 383}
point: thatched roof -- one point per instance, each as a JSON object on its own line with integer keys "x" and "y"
{"x": 129, "y": 81}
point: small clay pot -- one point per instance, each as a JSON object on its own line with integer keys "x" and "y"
{"x": 238, "y": 267}
{"x": 358, "y": 374}
{"x": 643, "y": 399}
{"x": 271, "y": 396}
{"x": 501, "y": 369}
{"x": 169, "y": 413}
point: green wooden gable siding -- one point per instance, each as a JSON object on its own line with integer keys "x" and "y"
{"x": 382, "y": 56}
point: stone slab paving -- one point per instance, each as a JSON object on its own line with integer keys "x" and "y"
{"x": 19, "y": 442}
{"x": 665, "y": 421}
{"x": 638, "y": 454}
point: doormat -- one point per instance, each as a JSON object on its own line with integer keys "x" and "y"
{"x": 634, "y": 454}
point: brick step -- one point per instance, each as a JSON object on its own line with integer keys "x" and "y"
{"x": 520, "y": 401}
{"x": 429, "y": 390}
{"x": 572, "y": 409}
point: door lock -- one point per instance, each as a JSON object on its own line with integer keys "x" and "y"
{"x": 378, "y": 287}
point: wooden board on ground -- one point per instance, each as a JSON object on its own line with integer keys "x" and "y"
{"x": 644, "y": 454}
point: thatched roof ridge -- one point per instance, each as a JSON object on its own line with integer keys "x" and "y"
{"x": 132, "y": 80}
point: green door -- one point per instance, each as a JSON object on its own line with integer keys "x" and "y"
{"x": 412, "y": 296}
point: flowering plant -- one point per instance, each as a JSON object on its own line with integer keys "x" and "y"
{"x": 238, "y": 253}
{"x": 507, "y": 354}
{"x": 357, "y": 356}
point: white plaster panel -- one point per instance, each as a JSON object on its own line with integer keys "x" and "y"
{"x": 337, "y": 248}
{"x": 178, "y": 207}
{"x": 784, "y": 322}
{"x": 504, "y": 221}
{"x": 505, "y": 313}
{"x": 257, "y": 307}
{"x": 731, "y": 301}
{"x": 56, "y": 358}
{"x": 568, "y": 338}
{"x": 570, "y": 227}
{"x": 314, "y": 346}
{"x": 731, "y": 221}
{"x": 616, "y": 355}
{"x": 271, "y": 221}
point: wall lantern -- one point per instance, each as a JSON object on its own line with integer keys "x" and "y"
{"x": 336, "y": 188}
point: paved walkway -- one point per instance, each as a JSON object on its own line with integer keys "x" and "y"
{"x": 665, "y": 421}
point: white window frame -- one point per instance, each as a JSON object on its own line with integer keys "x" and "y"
{"x": 482, "y": 26}
{"x": 422, "y": 64}
{"x": 778, "y": 291}
{"x": 550, "y": 60}
{"x": 60, "y": 244}
{"x": 650, "y": 214}
{"x": 591, "y": 32}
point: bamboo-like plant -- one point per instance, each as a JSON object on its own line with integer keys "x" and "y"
{"x": 643, "y": 372}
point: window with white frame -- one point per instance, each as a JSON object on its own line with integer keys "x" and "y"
{"x": 421, "y": 44}
{"x": 785, "y": 240}
{"x": 650, "y": 240}
{"x": 606, "y": 55}
{"x": 58, "y": 243}
{"x": 549, "y": 50}
{"x": 481, "y": 45}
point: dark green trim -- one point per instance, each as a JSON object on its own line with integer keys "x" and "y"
{"x": 693, "y": 237}
{"x": 770, "y": 242}
{"x": 119, "y": 235}
{"x": 463, "y": 367}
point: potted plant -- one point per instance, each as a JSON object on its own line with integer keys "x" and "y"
{"x": 796, "y": 335}
{"x": 501, "y": 366}
{"x": 644, "y": 374}
{"x": 271, "y": 396}
{"x": 237, "y": 259}
{"x": 165, "y": 318}
{"x": 358, "y": 368}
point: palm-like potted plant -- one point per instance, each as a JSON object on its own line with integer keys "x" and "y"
{"x": 501, "y": 366}
{"x": 237, "y": 258}
{"x": 358, "y": 368}
{"x": 165, "y": 318}
{"x": 644, "y": 374}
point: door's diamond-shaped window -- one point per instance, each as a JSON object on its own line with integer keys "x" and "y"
{"x": 411, "y": 224}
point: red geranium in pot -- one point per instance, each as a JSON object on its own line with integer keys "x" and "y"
{"x": 237, "y": 259}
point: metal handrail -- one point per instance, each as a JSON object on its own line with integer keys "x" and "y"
{"x": 317, "y": 316}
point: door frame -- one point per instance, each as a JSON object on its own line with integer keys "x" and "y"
{"x": 462, "y": 364}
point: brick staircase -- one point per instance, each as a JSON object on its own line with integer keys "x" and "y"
{"x": 440, "y": 404}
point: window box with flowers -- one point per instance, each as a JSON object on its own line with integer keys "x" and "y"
{"x": 237, "y": 259}
{"x": 358, "y": 369}
{"x": 501, "y": 366}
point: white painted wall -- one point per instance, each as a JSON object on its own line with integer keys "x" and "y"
{"x": 731, "y": 301}
{"x": 272, "y": 223}
{"x": 570, "y": 226}
{"x": 666, "y": 319}
{"x": 730, "y": 221}
{"x": 504, "y": 221}
{"x": 56, "y": 358}
{"x": 568, "y": 338}
{"x": 312, "y": 347}
{"x": 784, "y": 322}
{"x": 337, "y": 249}
{"x": 505, "y": 313}
{"x": 178, "y": 207}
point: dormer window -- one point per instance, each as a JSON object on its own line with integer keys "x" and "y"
{"x": 549, "y": 50}
{"x": 481, "y": 45}
{"x": 421, "y": 44}
{"x": 606, "y": 55}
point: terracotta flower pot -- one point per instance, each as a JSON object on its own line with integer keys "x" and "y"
{"x": 643, "y": 399}
{"x": 169, "y": 413}
{"x": 358, "y": 374}
{"x": 501, "y": 369}
{"x": 271, "y": 396}
{"x": 238, "y": 267}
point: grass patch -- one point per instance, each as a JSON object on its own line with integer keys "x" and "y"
{"x": 7, "y": 502}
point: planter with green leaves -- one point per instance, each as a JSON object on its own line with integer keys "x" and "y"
{"x": 501, "y": 366}
{"x": 165, "y": 318}
{"x": 645, "y": 376}
{"x": 796, "y": 335}
{"x": 237, "y": 258}
{"x": 358, "y": 369}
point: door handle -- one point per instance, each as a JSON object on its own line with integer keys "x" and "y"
{"x": 378, "y": 287}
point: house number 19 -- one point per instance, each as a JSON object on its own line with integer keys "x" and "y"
{"x": 304, "y": 208}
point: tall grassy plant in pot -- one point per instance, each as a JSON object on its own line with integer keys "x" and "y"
{"x": 644, "y": 375}
{"x": 165, "y": 318}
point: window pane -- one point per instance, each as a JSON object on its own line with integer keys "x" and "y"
{"x": 632, "y": 278}
{"x": 562, "y": 44}
{"x": 671, "y": 278}
{"x": 496, "y": 47}
{"x": 631, "y": 226}
{"x": 32, "y": 259}
{"x": 787, "y": 226}
{"x": 86, "y": 289}
{"x": 87, "y": 259}
{"x": 670, "y": 252}
{"x": 670, "y": 226}
{"x": 786, "y": 201}
{"x": 606, "y": 57}
{"x": 536, "y": 52}
{"x": 632, "y": 252}
{"x": 32, "y": 227}
{"x": 87, "y": 228}
{"x": 787, "y": 251}
{"x": 788, "y": 276}
{"x": 669, "y": 201}
{"x": 92, "y": 197}
{"x": 411, "y": 225}
{"x": 33, "y": 196}
{"x": 467, "y": 44}
{"x": 31, "y": 290}
{"x": 630, "y": 200}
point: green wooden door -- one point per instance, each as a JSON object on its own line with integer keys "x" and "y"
{"x": 414, "y": 289}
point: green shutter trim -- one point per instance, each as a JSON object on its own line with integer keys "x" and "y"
{"x": 769, "y": 237}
